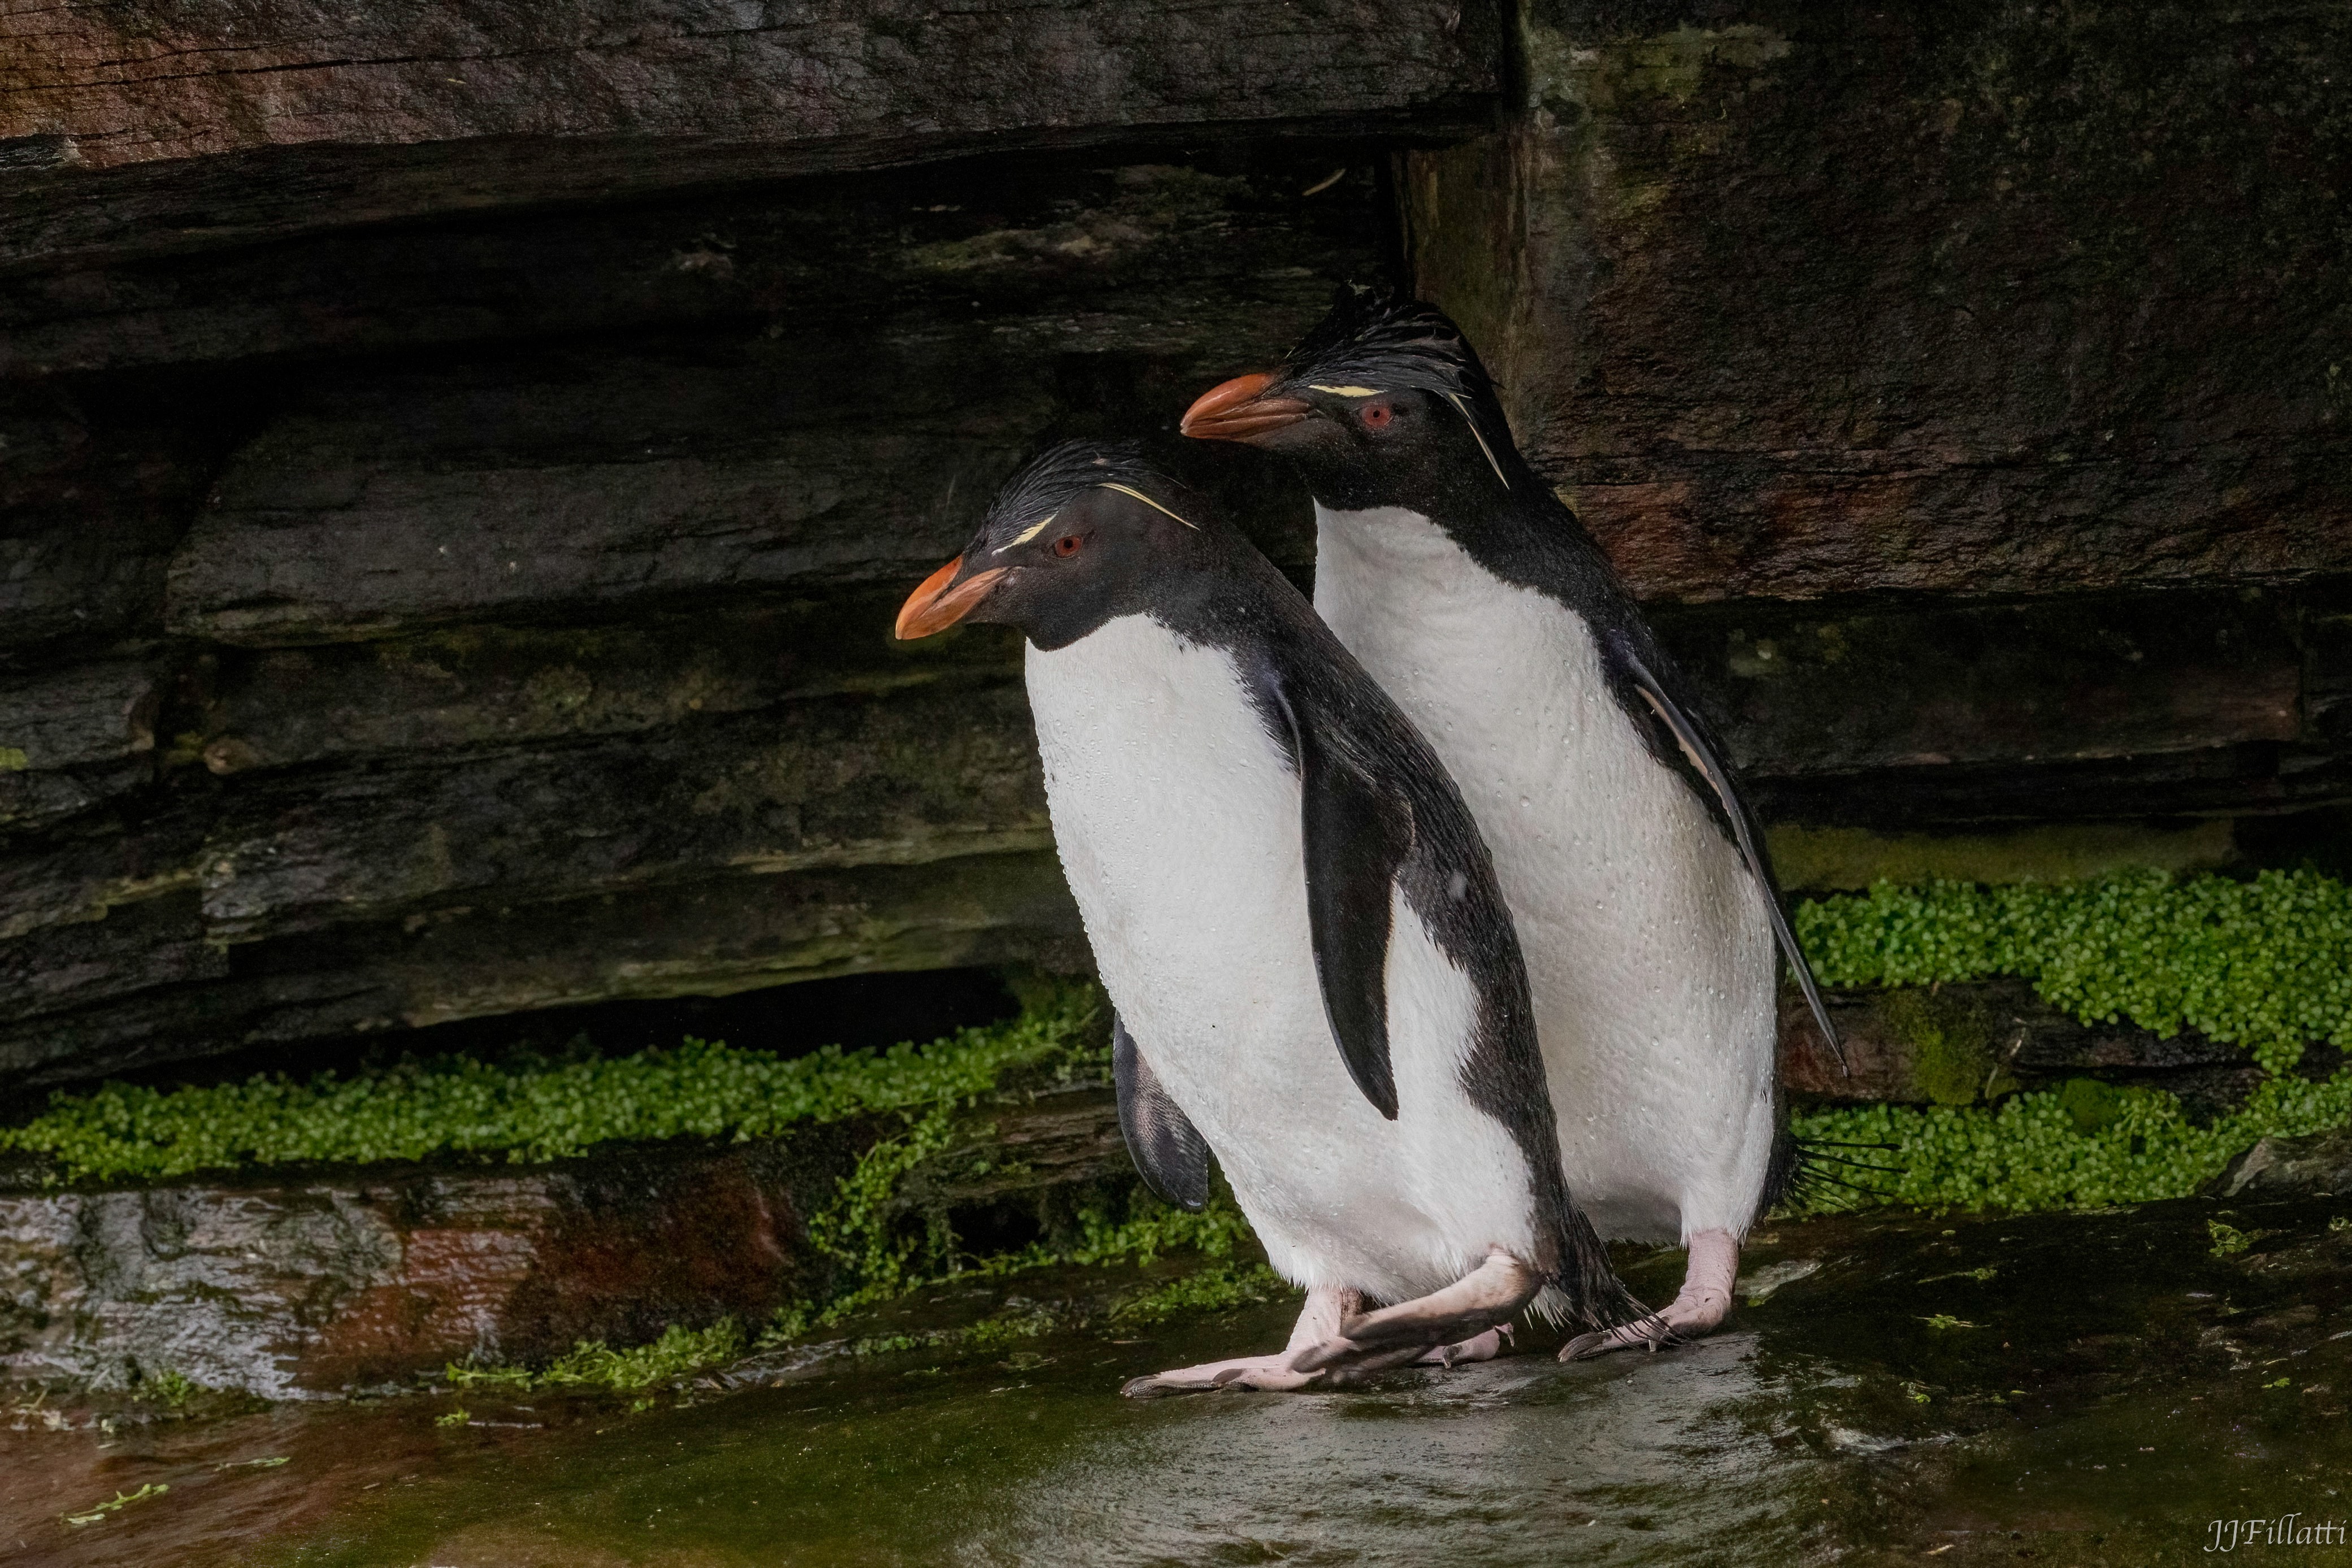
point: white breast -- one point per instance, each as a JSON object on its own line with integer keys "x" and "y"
{"x": 1178, "y": 823}
{"x": 1646, "y": 941}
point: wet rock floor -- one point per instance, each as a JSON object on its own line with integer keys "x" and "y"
{"x": 2066, "y": 1389}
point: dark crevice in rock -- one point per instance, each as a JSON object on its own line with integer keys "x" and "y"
{"x": 853, "y": 1011}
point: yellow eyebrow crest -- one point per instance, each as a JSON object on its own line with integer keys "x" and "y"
{"x": 1346, "y": 391}
{"x": 1479, "y": 436}
{"x": 1030, "y": 532}
{"x": 1130, "y": 490}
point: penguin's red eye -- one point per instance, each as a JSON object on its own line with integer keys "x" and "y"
{"x": 1377, "y": 415}
{"x": 1067, "y": 545}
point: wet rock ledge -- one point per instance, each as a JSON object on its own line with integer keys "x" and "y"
{"x": 309, "y": 1284}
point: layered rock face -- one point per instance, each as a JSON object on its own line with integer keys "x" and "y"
{"x": 458, "y": 469}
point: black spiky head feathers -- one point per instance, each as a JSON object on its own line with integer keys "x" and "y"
{"x": 1384, "y": 401}
{"x": 1386, "y": 340}
{"x": 1051, "y": 482}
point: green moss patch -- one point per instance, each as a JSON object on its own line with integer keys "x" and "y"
{"x": 878, "y": 1259}
{"x": 2266, "y": 963}
{"x": 531, "y": 1108}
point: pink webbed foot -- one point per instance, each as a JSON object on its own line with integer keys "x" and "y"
{"x": 1262, "y": 1374}
{"x": 1698, "y": 1308}
{"x": 1326, "y": 1308}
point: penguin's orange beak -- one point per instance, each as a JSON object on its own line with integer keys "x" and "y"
{"x": 1237, "y": 411}
{"x": 936, "y": 606}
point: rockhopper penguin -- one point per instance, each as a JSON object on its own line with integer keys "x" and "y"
{"x": 1644, "y": 900}
{"x": 1312, "y": 971}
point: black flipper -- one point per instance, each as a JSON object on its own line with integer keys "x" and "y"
{"x": 1168, "y": 1149}
{"x": 1357, "y": 835}
{"x": 1701, "y": 755}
